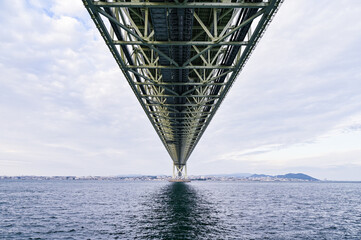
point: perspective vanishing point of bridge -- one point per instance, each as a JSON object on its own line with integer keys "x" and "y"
{"x": 181, "y": 58}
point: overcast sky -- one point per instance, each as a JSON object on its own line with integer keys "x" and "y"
{"x": 66, "y": 109}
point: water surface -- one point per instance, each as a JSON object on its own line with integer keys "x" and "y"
{"x": 160, "y": 210}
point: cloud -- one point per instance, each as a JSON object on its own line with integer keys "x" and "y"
{"x": 286, "y": 89}
{"x": 65, "y": 106}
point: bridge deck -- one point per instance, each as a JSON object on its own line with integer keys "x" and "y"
{"x": 181, "y": 58}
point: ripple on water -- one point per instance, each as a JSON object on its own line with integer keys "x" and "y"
{"x": 161, "y": 210}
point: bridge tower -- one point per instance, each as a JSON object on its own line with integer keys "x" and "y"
{"x": 181, "y": 58}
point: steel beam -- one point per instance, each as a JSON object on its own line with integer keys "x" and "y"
{"x": 145, "y": 5}
{"x": 181, "y": 64}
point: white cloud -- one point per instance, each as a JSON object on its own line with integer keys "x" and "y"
{"x": 69, "y": 8}
{"x": 65, "y": 106}
{"x": 301, "y": 83}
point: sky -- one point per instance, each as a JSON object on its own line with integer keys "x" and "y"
{"x": 66, "y": 109}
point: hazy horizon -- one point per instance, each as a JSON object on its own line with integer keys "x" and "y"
{"x": 237, "y": 175}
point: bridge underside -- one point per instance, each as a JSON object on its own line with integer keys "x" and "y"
{"x": 181, "y": 58}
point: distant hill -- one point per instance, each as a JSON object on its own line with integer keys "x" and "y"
{"x": 297, "y": 176}
{"x": 260, "y": 176}
{"x": 235, "y": 175}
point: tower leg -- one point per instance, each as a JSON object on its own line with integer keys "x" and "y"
{"x": 180, "y": 173}
{"x": 173, "y": 171}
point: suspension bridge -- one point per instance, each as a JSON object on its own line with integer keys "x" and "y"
{"x": 181, "y": 58}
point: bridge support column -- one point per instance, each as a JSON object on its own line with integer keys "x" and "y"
{"x": 180, "y": 173}
{"x": 173, "y": 171}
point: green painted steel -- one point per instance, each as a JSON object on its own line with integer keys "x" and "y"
{"x": 181, "y": 58}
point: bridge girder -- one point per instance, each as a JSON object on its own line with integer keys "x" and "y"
{"x": 181, "y": 71}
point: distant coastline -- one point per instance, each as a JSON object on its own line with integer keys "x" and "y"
{"x": 289, "y": 177}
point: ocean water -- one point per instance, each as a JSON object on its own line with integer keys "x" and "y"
{"x": 161, "y": 210}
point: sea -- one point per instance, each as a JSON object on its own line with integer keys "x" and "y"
{"x": 113, "y": 209}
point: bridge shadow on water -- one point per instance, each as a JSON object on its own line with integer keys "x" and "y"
{"x": 179, "y": 212}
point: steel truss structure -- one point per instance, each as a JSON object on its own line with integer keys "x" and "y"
{"x": 181, "y": 58}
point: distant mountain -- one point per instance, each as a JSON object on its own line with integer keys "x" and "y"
{"x": 235, "y": 175}
{"x": 130, "y": 175}
{"x": 259, "y": 176}
{"x": 297, "y": 176}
